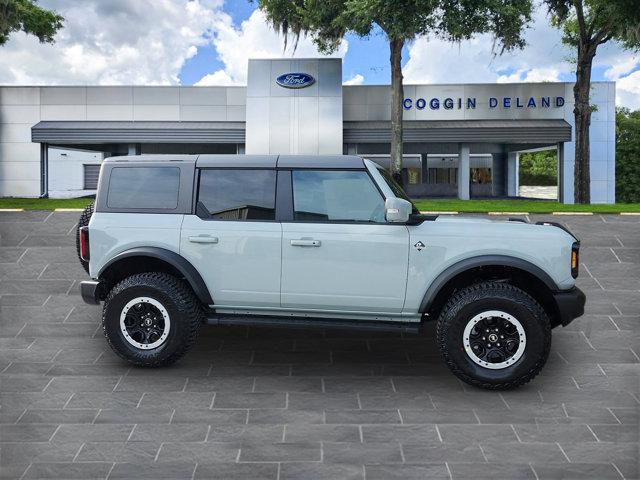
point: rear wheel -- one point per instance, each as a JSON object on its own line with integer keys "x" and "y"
{"x": 151, "y": 319}
{"x": 494, "y": 335}
{"x": 83, "y": 222}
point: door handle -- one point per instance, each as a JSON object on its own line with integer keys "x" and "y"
{"x": 203, "y": 239}
{"x": 303, "y": 242}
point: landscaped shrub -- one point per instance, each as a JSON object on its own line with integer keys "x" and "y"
{"x": 627, "y": 156}
{"x": 539, "y": 168}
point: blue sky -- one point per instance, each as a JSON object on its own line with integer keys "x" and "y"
{"x": 366, "y": 56}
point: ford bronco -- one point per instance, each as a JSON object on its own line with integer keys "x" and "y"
{"x": 326, "y": 241}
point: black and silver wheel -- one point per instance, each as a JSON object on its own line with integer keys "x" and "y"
{"x": 494, "y": 335}
{"x": 494, "y": 339}
{"x": 145, "y": 323}
{"x": 151, "y": 319}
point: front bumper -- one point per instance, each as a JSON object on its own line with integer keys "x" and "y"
{"x": 570, "y": 304}
{"x": 90, "y": 292}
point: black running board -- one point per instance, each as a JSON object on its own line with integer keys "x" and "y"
{"x": 310, "y": 322}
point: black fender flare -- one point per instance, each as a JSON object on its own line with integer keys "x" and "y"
{"x": 181, "y": 264}
{"x": 483, "y": 261}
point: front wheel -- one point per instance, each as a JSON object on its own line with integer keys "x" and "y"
{"x": 494, "y": 335}
{"x": 151, "y": 319}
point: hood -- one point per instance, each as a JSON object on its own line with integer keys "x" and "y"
{"x": 499, "y": 227}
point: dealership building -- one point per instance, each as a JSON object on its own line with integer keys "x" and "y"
{"x": 460, "y": 140}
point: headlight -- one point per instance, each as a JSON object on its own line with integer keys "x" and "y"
{"x": 575, "y": 259}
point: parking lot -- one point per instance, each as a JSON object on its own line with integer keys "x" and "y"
{"x": 307, "y": 404}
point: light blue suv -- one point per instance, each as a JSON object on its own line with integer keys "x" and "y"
{"x": 329, "y": 241}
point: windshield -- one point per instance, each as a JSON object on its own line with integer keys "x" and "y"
{"x": 395, "y": 188}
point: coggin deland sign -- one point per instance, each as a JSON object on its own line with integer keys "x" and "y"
{"x": 469, "y": 103}
{"x": 302, "y": 80}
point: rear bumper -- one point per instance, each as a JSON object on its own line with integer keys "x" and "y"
{"x": 570, "y": 305}
{"x": 90, "y": 292}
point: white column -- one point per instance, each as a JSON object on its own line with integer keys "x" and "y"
{"x": 513, "y": 164}
{"x": 133, "y": 149}
{"x": 463, "y": 171}
{"x": 566, "y": 153}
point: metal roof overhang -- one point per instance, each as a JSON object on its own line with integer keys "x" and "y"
{"x": 70, "y": 133}
{"x": 475, "y": 131}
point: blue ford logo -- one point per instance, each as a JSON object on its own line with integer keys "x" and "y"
{"x": 295, "y": 80}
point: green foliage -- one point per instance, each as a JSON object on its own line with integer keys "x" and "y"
{"x": 479, "y": 206}
{"x": 27, "y": 16}
{"x": 627, "y": 155}
{"x": 44, "y": 203}
{"x": 539, "y": 168}
{"x": 529, "y": 206}
{"x": 327, "y": 21}
{"x": 597, "y": 21}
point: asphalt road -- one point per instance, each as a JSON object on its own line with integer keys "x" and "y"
{"x": 273, "y": 403}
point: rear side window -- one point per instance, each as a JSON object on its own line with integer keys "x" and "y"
{"x": 241, "y": 194}
{"x": 336, "y": 196}
{"x": 144, "y": 187}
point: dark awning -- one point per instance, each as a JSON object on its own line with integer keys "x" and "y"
{"x": 498, "y": 131}
{"x": 138, "y": 132}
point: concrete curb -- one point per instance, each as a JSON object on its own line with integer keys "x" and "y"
{"x": 11, "y": 209}
{"x": 428, "y": 212}
{"x": 68, "y": 210}
{"x": 571, "y": 213}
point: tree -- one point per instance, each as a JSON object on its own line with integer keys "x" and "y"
{"x": 28, "y": 17}
{"x": 539, "y": 168}
{"x": 327, "y": 21}
{"x": 587, "y": 24}
{"x": 627, "y": 156}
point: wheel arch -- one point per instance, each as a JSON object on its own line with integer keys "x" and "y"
{"x": 145, "y": 259}
{"x": 522, "y": 273}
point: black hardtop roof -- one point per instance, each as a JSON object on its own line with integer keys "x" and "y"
{"x": 251, "y": 161}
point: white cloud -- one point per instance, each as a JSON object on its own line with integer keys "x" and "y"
{"x": 531, "y": 75}
{"x": 432, "y": 60}
{"x": 622, "y": 65}
{"x": 628, "y": 91}
{"x": 253, "y": 39}
{"x": 544, "y": 59}
{"x": 216, "y": 78}
{"x": 357, "y": 79}
{"x": 114, "y": 42}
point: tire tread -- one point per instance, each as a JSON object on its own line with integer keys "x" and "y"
{"x": 185, "y": 301}
{"x": 478, "y": 291}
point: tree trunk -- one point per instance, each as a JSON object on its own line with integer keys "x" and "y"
{"x": 582, "y": 114}
{"x": 397, "y": 97}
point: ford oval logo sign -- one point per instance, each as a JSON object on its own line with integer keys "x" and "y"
{"x": 295, "y": 80}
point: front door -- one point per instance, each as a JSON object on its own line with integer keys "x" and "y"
{"x": 338, "y": 253}
{"x": 234, "y": 240}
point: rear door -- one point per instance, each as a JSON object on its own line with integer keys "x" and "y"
{"x": 338, "y": 252}
{"x": 233, "y": 239}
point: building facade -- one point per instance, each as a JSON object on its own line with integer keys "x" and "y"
{"x": 460, "y": 140}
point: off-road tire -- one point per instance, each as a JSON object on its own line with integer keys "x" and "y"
{"x": 470, "y": 301}
{"x": 176, "y": 297}
{"x": 83, "y": 222}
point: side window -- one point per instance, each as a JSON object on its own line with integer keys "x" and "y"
{"x": 336, "y": 196}
{"x": 241, "y": 194}
{"x": 144, "y": 187}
